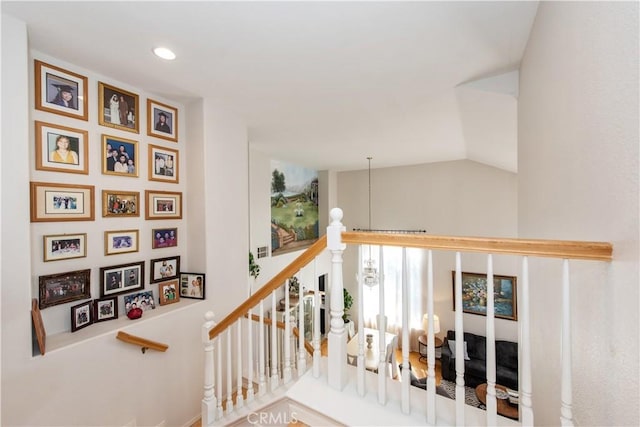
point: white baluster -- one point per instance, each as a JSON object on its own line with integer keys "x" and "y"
{"x": 218, "y": 345}
{"x": 317, "y": 355}
{"x": 250, "y": 326}
{"x": 492, "y": 404}
{"x": 566, "y": 413}
{"x": 525, "y": 401}
{"x": 405, "y": 336}
{"x": 286, "y": 372}
{"x": 302, "y": 354}
{"x": 262, "y": 377}
{"x": 360, "y": 357}
{"x": 431, "y": 356}
{"x": 239, "y": 397}
{"x": 459, "y": 344}
{"x": 229, "y": 373}
{"x": 209, "y": 400}
{"x": 274, "y": 344}
{"x": 337, "y": 360}
{"x": 382, "y": 328}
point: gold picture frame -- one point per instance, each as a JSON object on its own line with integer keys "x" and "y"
{"x": 162, "y": 121}
{"x": 163, "y": 205}
{"x": 120, "y": 156}
{"x": 52, "y": 202}
{"x": 163, "y": 164}
{"x": 118, "y": 204}
{"x": 50, "y": 156}
{"x": 116, "y": 106}
{"x": 121, "y": 242}
{"x": 169, "y": 292}
{"x": 58, "y": 247}
{"x": 60, "y": 91}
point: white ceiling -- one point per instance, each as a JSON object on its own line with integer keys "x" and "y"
{"x": 324, "y": 84}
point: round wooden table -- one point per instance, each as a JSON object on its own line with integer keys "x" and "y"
{"x": 504, "y": 408}
{"x": 422, "y": 341}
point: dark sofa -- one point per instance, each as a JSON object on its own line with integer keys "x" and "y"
{"x": 475, "y": 372}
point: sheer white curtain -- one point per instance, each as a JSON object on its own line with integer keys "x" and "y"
{"x": 416, "y": 276}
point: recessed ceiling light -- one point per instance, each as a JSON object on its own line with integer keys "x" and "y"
{"x": 164, "y": 53}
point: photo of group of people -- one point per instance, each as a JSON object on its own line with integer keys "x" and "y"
{"x": 120, "y": 156}
{"x": 192, "y": 285}
{"x": 106, "y": 309}
{"x": 169, "y": 292}
{"x": 141, "y": 300}
{"x": 119, "y": 108}
{"x": 121, "y": 204}
{"x": 64, "y": 246}
{"x": 65, "y": 202}
{"x": 165, "y": 238}
{"x": 81, "y": 316}
{"x": 164, "y": 164}
{"x": 164, "y": 268}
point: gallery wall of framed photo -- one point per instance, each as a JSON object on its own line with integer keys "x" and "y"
{"x": 107, "y": 196}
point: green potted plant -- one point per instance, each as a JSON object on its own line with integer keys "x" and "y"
{"x": 348, "y": 302}
{"x": 254, "y": 269}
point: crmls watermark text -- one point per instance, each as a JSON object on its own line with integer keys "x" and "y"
{"x": 272, "y": 418}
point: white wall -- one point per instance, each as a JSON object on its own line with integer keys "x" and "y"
{"x": 578, "y": 179}
{"x": 462, "y": 198}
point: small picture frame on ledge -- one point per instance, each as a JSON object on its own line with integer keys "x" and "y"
{"x": 168, "y": 292}
{"x": 105, "y": 309}
{"x": 164, "y": 269}
{"x": 192, "y": 285}
{"x": 81, "y": 316}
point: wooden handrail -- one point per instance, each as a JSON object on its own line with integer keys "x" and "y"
{"x": 596, "y": 251}
{"x": 142, "y": 342}
{"x": 305, "y": 258}
{"x": 281, "y": 325}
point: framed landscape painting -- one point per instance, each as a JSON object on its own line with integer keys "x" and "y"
{"x": 162, "y": 121}
{"x": 474, "y": 295}
{"x": 61, "y": 149}
{"x": 60, "y": 91}
{"x": 118, "y": 108}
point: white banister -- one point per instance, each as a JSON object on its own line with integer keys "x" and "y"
{"x": 302, "y": 360}
{"x": 286, "y": 339}
{"x": 317, "y": 299}
{"x": 459, "y": 343}
{"x": 274, "y": 344}
{"x": 229, "y": 407}
{"x": 239, "y": 397}
{"x": 382, "y": 328}
{"x": 405, "y": 337}
{"x": 566, "y": 413}
{"x": 337, "y": 335}
{"x": 208, "y": 407}
{"x": 250, "y": 326}
{"x": 218, "y": 344}
{"x": 360, "y": 385}
{"x": 262, "y": 376}
{"x": 492, "y": 404}
{"x": 431, "y": 352}
{"x": 525, "y": 401}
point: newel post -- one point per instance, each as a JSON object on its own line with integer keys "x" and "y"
{"x": 337, "y": 361}
{"x": 208, "y": 407}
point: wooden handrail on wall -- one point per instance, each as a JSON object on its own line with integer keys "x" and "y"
{"x": 142, "y": 342}
{"x": 595, "y": 251}
{"x": 280, "y": 325}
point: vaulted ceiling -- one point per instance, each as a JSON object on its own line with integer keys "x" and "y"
{"x": 324, "y": 84}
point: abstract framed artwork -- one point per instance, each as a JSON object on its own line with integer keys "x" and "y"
{"x": 57, "y": 247}
{"x": 164, "y": 269}
{"x": 105, "y": 309}
{"x": 119, "y": 156}
{"x": 61, "y": 148}
{"x": 474, "y": 295}
{"x": 163, "y": 164}
{"x": 121, "y": 278}
{"x": 162, "y": 121}
{"x": 192, "y": 285}
{"x": 118, "y": 108}
{"x": 163, "y": 205}
{"x": 120, "y": 242}
{"x": 52, "y": 202}
{"x": 168, "y": 292}
{"x": 118, "y": 203}
{"x": 60, "y": 91}
{"x": 81, "y": 316}
{"x": 61, "y": 288}
{"x": 164, "y": 238}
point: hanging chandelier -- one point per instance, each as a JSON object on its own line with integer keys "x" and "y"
{"x": 369, "y": 270}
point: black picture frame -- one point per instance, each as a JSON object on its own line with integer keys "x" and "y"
{"x": 189, "y": 287}
{"x": 164, "y": 269}
{"x": 61, "y": 288}
{"x": 81, "y": 316}
{"x": 118, "y": 279}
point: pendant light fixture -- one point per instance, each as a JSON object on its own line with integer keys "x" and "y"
{"x": 369, "y": 270}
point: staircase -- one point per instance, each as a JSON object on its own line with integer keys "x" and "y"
{"x": 331, "y": 392}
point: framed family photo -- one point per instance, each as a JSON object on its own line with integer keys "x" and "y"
{"x": 105, "y": 309}
{"x": 142, "y": 300}
{"x": 119, "y": 156}
{"x": 61, "y": 202}
{"x": 62, "y": 288}
{"x": 81, "y": 316}
{"x": 192, "y": 285}
{"x": 474, "y": 295}
{"x": 162, "y": 121}
{"x": 58, "y": 247}
{"x": 168, "y": 292}
{"x": 120, "y": 242}
{"x": 122, "y": 278}
{"x": 164, "y": 238}
{"x": 60, "y": 91}
{"x": 163, "y": 164}
{"x": 61, "y": 148}
{"x": 163, "y": 205}
{"x": 164, "y": 269}
{"x": 118, "y": 108}
{"x": 116, "y": 203}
